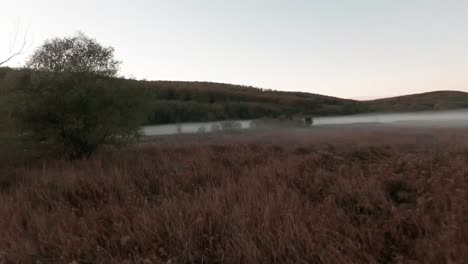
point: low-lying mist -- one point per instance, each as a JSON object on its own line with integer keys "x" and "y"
{"x": 453, "y": 117}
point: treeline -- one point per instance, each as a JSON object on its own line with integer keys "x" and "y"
{"x": 173, "y": 111}
{"x": 173, "y": 101}
{"x": 178, "y": 101}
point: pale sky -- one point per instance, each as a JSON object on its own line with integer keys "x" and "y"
{"x": 350, "y": 49}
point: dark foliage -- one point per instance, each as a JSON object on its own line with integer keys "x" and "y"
{"x": 171, "y": 102}
{"x": 77, "y": 54}
{"x": 74, "y": 113}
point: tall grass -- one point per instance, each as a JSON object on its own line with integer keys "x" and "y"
{"x": 378, "y": 196}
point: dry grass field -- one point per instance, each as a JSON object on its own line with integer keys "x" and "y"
{"x": 342, "y": 195}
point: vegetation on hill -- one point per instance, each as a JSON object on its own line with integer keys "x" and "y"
{"x": 177, "y": 101}
{"x": 172, "y": 101}
{"x": 439, "y": 100}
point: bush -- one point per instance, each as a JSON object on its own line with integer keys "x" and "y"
{"x": 10, "y": 151}
{"x": 74, "y": 114}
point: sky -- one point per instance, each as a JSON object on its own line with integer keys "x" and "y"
{"x": 359, "y": 49}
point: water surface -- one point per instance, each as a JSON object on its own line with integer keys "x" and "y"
{"x": 432, "y": 118}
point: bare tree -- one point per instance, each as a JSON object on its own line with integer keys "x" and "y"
{"x": 17, "y": 46}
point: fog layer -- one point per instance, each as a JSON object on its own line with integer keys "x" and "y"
{"x": 454, "y": 118}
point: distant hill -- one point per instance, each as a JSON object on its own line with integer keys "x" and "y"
{"x": 438, "y": 100}
{"x": 206, "y": 101}
{"x": 179, "y": 101}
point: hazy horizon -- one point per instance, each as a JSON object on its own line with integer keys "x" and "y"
{"x": 369, "y": 50}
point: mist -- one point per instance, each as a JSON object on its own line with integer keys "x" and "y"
{"x": 451, "y": 118}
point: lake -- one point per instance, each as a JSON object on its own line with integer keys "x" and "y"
{"x": 450, "y": 118}
{"x": 190, "y": 128}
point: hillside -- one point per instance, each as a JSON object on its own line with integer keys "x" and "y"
{"x": 205, "y": 101}
{"x": 439, "y": 100}
{"x": 179, "y": 101}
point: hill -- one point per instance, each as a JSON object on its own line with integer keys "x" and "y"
{"x": 179, "y": 101}
{"x": 205, "y": 101}
{"x": 438, "y": 100}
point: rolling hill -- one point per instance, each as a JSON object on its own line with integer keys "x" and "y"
{"x": 179, "y": 101}
{"x": 438, "y": 100}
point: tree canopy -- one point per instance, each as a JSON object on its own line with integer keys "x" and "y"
{"x": 72, "y": 104}
{"x": 75, "y": 54}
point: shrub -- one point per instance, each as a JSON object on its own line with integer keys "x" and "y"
{"x": 75, "y": 114}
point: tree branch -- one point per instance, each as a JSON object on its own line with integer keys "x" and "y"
{"x": 14, "y": 37}
{"x": 11, "y": 57}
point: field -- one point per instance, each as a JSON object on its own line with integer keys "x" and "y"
{"x": 337, "y": 195}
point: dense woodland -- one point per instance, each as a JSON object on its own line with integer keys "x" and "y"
{"x": 203, "y": 101}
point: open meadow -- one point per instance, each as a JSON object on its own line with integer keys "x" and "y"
{"x": 326, "y": 195}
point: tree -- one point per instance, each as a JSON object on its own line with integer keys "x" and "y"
{"x": 77, "y": 54}
{"x": 72, "y": 104}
